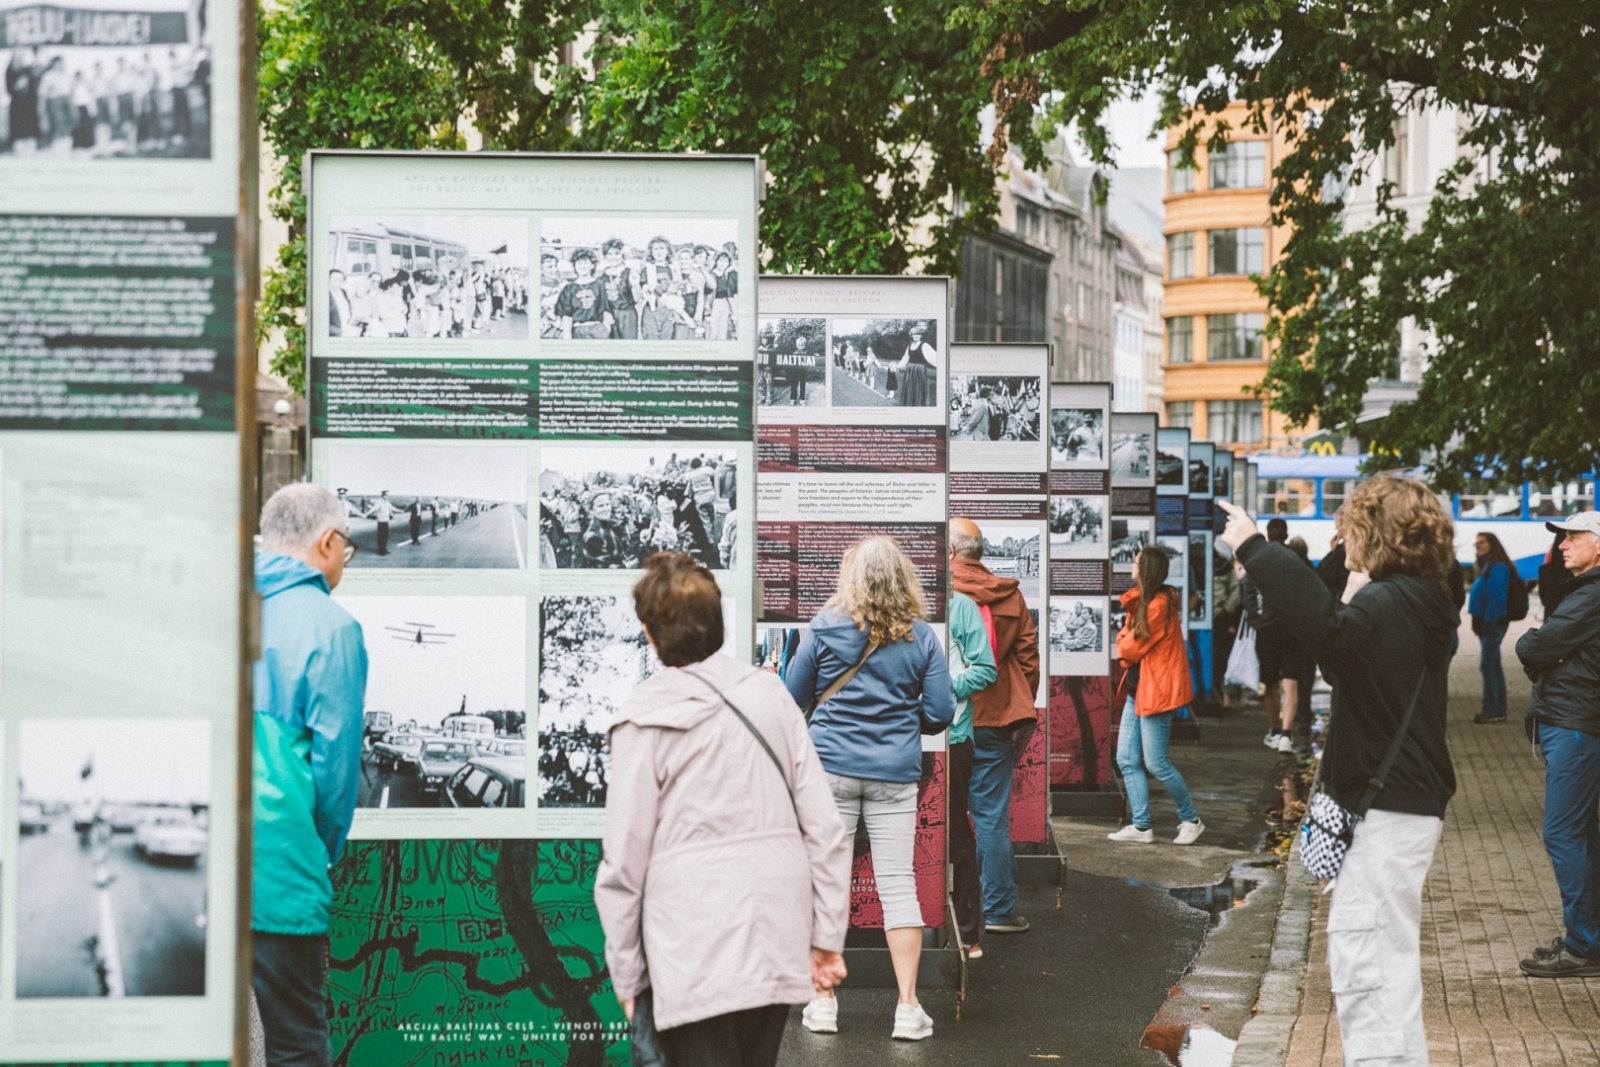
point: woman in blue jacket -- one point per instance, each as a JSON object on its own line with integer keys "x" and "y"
{"x": 1487, "y": 606}
{"x": 869, "y": 736}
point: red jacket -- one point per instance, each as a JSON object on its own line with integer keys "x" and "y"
{"x": 1010, "y": 698}
{"x": 1163, "y": 657}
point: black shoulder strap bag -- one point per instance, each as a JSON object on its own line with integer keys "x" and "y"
{"x": 1329, "y": 828}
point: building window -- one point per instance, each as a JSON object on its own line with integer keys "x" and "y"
{"x": 1180, "y": 255}
{"x": 1234, "y": 337}
{"x": 1234, "y": 421}
{"x": 1394, "y": 160}
{"x": 1180, "y": 179}
{"x": 1237, "y": 251}
{"x": 1180, "y": 339}
{"x": 1085, "y": 304}
{"x": 1030, "y": 221}
{"x": 1240, "y": 165}
{"x": 1180, "y": 413}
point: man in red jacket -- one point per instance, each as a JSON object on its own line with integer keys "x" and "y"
{"x": 1002, "y": 718}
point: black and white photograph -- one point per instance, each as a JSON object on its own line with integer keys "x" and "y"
{"x": 114, "y": 821}
{"x": 613, "y": 508}
{"x": 446, "y": 705}
{"x": 80, "y": 83}
{"x": 1200, "y": 578}
{"x": 1176, "y": 546}
{"x": 994, "y": 407}
{"x": 1222, "y": 474}
{"x": 880, "y": 363}
{"x": 1199, "y": 476}
{"x": 1077, "y": 624}
{"x": 1128, "y": 536}
{"x": 1013, "y": 552}
{"x": 1171, "y": 462}
{"x": 1077, "y": 437}
{"x": 428, "y": 277}
{"x": 776, "y": 646}
{"x": 638, "y": 279}
{"x": 1078, "y": 522}
{"x": 438, "y": 506}
{"x": 1119, "y": 616}
{"x": 792, "y": 362}
{"x": 1131, "y": 455}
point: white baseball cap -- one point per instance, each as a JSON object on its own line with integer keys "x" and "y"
{"x": 1582, "y": 522}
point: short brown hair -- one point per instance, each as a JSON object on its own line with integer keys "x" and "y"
{"x": 1394, "y": 525}
{"x": 679, "y": 603}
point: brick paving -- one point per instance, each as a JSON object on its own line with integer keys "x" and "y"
{"x": 1490, "y": 898}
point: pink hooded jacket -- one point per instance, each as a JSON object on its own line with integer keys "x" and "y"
{"x": 710, "y": 873}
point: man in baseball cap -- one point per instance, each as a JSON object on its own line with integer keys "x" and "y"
{"x": 1563, "y": 659}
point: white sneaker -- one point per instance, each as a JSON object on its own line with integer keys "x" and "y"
{"x": 821, "y": 1016}
{"x": 1285, "y": 743}
{"x": 1189, "y": 832}
{"x": 1271, "y": 740}
{"x": 1132, "y": 833}
{"x": 911, "y": 1023}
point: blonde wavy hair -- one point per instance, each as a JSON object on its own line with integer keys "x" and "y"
{"x": 1395, "y": 525}
{"x": 879, "y": 590}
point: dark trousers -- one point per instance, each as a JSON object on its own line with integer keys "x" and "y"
{"x": 1572, "y": 831}
{"x": 748, "y": 1038}
{"x": 383, "y": 539}
{"x": 288, "y": 978}
{"x": 967, "y": 891}
{"x": 994, "y": 758}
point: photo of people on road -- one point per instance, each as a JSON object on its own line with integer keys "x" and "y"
{"x": 114, "y": 820}
{"x": 985, "y": 407}
{"x": 885, "y": 363}
{"x": 434, "y": 506}
{"x": 1078, "y": 520}
{"x": 1077, "y": 437}
{"x": 1131, "y": 455}
{"x": 612, "y": 508}
{"x": 1013, "y": 552}
{"x": 791, "y": 362}
{"x": 427, "y": 277}
{"x": 633, "y": 279}
{"x": 134, "y": 83}
{"x": 446, "y": 703}
{"x": 1077, "y": 624}
{"x": 1128, "y": 536}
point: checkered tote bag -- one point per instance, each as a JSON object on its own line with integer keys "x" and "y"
{"x": 1329, "y": 828}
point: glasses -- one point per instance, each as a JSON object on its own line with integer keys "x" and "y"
{"x": 349, "y": 545}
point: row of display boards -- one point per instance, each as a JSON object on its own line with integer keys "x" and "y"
{"x": 486, "y": 333}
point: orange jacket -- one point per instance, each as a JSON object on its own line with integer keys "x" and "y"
{"x": 1162, "y": 657}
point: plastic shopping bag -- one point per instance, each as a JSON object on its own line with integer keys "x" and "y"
{"x": 1244, "y": 669}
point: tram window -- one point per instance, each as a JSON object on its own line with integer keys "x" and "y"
{"x": 1286, "y": 496}
{"x": 1498, "y": 502}
{"x": 1335, "y": 491}
{"x": 424, "y": 256}
{"x": 1547, "y": 501}
{"x": 361, "y": 257}
{"x": 401, "y": 254}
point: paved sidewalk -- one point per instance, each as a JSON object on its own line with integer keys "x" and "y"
{"x": 1490, "y": 898}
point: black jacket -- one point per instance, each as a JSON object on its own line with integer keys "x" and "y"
{"x": 1554, "y": 581}
{"x": 1374, "y": 648}
{"x": 1333, "y": 570}
{"x": 1563, "y": 659}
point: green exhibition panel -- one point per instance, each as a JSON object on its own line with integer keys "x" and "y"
{"x": 528, "y": 374}
{"x": 126, "y": 384}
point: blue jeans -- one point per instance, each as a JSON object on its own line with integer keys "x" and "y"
{"x": 1572, "y": 831}
{"x": 1142, "y": 747}
{"x": 288, "y": 977}
{"x": 1493, "y": 671}
{"x": 994, "y": 755}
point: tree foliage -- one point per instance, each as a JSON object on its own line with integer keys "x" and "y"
{"x": 1503, "y": 269}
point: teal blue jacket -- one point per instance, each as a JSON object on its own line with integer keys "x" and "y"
{"x": 971, "y": 661}
{"x": 310, "y": 686}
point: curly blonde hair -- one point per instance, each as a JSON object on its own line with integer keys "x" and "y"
{"x": 1394, "y": 525}
{"x": 879, "y": 590}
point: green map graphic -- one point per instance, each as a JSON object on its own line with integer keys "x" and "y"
{"x": 447, "y": 953}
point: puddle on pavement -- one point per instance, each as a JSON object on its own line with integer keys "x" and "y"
{"x": 1214, "y": 900}
{"x": 1189, "y": 1046}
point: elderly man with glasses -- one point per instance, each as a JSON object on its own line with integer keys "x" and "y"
{"x": 310, "y": 684}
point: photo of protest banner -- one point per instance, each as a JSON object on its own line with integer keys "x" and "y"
{"x": 427, "y": 277}
{"x": 885, "y": 363}
{"x": 114, "y": 817}
{"x": 1080, "y": 636}
{"x": 612, "y": 508}
{"x": 83, "y": 84}
{"x": 433, "y": 506}
{"x": 637, "y": 278}
{"x": 791, "y": 362}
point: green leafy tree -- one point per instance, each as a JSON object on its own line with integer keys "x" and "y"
{"x": 1503, "y": 269}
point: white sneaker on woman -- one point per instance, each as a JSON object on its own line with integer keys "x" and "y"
{"x": 911, "y": 1023}
{"x": 1132, "y": 833}
{"x": 821, "y": 1016}
{"x": 1189, "y": 832}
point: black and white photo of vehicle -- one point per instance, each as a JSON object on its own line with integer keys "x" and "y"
{"x": 434, "y": 506}
{"x": 1131, "y": 453}
{"x": 111, "y": 878}
{"x": 885, "y": 363}
{"x": 488, "y": 781}
{"x": 991, "y": 407}
{"x": 1077, "y": 624}
{"x": 1077, "y": 437}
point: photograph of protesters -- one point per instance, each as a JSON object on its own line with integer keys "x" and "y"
{"x": 791, "y": 362}
{"x": 895, "y": 363}
{"x": 665, "y": 279}
{"x": 986, "y": 407}
{"x": 613, "y": 509}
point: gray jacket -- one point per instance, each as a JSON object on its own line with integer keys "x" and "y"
{"x": 1563, "y": 659}
{"x": 714, "y": 886}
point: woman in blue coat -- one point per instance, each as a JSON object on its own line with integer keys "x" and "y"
{"x": 1487, "y": 606}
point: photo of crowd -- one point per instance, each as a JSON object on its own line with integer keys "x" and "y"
{"x": 450, "y": 277}
{"x": 613, "y": 509}
{"x": 1128, "y": 536}
{"x": 885, "y": 363}
{"x": 84, "y": 84}
{"x": 791, "y": 362}
{"x": 1077, "y": 436}
{"x": 618, "y": 279}
{"x": 987, "y": 407}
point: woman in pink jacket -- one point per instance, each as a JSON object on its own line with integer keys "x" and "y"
{"x": 724, "y": 892}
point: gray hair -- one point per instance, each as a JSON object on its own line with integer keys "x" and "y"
{"x": 966, "y": 546}
{"x": 299, "y": 514}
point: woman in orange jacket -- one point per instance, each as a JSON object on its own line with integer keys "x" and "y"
{"x": 1157, "y": 685}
